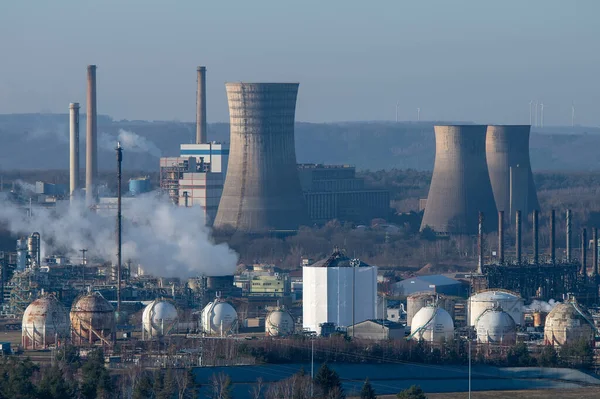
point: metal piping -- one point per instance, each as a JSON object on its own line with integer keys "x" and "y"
{"x": 518, "y": 236}
{"x": 568, "y": 235}
{"x": 480, "y": 244}
{"x": 553, "y": 237}
{"x": 535, "y": 238}
{"x": 501, "y": 236}
{"x": 91, "y": 163}
{"x": 74, "y": 149}
{"x": 201, "y": 136}
{"x": 584, "y": 252}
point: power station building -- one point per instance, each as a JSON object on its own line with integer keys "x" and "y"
{"x": 460, "y": 186}
{"x": 334, "y": 192}
{"x": 262, "y": 190}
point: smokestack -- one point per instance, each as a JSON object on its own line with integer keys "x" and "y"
{"x": 595, "y": 249}
{"x": 568, "y": 235}
{"x": 119, "y": 226}
{"x": 535, "y": 238}
{"x": 74, "y": 149}
{"x": 552, "y": 237}
{"x": 518, "y": 236}
{"x": 480, "y": 244}
{"x": 501, "y": 237}
{"x": 201, "y": 106}
{"x": 584, "y": 252}
{"x": 91, "y": 162}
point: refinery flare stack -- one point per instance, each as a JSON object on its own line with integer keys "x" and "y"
{"x": 507, "y": 154}
{"x": 262, "y": 189}
{"x": 460, "y": 186}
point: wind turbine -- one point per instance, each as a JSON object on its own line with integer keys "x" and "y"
{"x": 572, "y": 114}
{"x": 530, "y": 112}
{"x": 542, "y": 115}
{"x": 535, "y": 119}
{"x": 397, "y": 105}
{"x": 418, "y": 114}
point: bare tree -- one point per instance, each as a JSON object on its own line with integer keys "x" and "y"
{"x": 221, "y": 386}
{"x": 257, "y": 389}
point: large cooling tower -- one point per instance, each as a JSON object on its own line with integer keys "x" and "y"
{"x": 460, "y": 186}
{"x": 506, "y": 147}
{"x": 262, "y": 188}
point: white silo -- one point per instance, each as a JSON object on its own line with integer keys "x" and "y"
{"x": 218, "y": 318}
{"x": 510, "y": 303}
{"x": 497, "y": 327}
{"x": 432, "y": 324}
{"x": 158, "y": 319}
{"x": 338, "y": 290}
{"x": 45, "y": 322}
{"x": 279, "y": 323}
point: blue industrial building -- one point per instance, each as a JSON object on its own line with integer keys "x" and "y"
{"x": 434, "y": 283}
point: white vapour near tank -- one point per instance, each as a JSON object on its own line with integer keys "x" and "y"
{"x": 496, "y": 326}
{"x": 218, "y": 318}
{"x": 45, "y": 321}
{"x": 159, "y": 318}
{"x": 328, "y": 296}
{"x": 510, "y": 303}
{"x": 432, "y": 324}
{"x": 279, "y": 323}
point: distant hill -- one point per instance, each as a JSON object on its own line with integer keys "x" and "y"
{"x": 40, "y": 141}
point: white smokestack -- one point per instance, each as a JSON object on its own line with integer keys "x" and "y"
{"x": 91, "y": 162}
{"x": 74, "y": 148}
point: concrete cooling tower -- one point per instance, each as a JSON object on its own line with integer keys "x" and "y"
{"x": 460, "y": 187}
{"x": 507, "y": 147}
{"x": 262, "y": 188}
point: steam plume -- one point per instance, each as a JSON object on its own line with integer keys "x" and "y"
{"x": 130, "y": 140}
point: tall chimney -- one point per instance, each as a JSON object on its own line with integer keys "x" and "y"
{"x": 584, "y": 253}
{"x": 568, "y": 235}
{"x": 201, "y": 106}
{"x": 119, "y": 151}
{"x": 553, "y": 237}
{"x": 501, "y": 237}
{"x": 535, "y": 238}
{"x": 91, "y": 162}
{"x": 74, "y": 149}
{"x": 480, "y": 244}
{"x": 595, "y": 249}
{"x": 518, "y": 236}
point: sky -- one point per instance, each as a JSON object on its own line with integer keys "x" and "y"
{"x": 458, "y": 60}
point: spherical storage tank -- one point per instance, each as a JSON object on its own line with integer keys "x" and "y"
{"x": 159, "y": 318}
{"x": 419, "y": 300}
{"x": 432, "y": 324}
{"x": 568, "y": 322}
{"x": 279, "y": 323}
{"x": 45, "y": 322}
{"x": 92, "y": 320}
{"x": 496, "y": 326}
{"x": 510, "y": 303}
{"x": 218, "y": 318}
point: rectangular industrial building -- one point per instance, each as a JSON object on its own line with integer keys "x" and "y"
{"x": 377, "y": 330}
{"x": 334, "y": 192}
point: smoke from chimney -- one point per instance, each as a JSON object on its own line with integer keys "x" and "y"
{"x": 74, "y": 148}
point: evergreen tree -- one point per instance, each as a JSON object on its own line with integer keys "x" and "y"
{"x": 548, "y": 357}
{"x": 329, "y": 381}
{"x": 414, "y": 392}
{"x": 96, "y": 381}
{"x": 15, "y": 379}
{"x": 144, "y": 388}
{"x": 168, "y": 386}
{"x": 54, "y": 386}
{"x": 367, "y": 391}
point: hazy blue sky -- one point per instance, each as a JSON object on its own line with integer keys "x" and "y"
{"x": 457, "y": 60}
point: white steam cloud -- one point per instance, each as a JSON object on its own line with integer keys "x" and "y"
{"x": 167, "y": 240}
{"x": 130, "y": 141}
{"x": 542, "y": 306}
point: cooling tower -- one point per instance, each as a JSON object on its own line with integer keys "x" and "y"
{"x": 460, "y": 186}
{"x": 91, "y": 162}
{"x": 201, "y": 106}
{"x": 507, "y": 146}
{"x": 74, "y": 149}
{"x": 262, "y": 188}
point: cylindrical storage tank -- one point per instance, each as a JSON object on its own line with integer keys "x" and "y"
{"x": 21, "y": 254}
{"x": 510, "y": 303}
{"x": 159, "y": 318}
{"x": 218, "y": 318}
{"x": 539, "y": 318}
{"x": 419, "y": 300}
{"x": 140, "y": 185}
{"x": 262, "y": 188}
{"x": 279, "y": 323}
{"x": 495, "y": 326}
{"x": 219, "y": 282}
{"x": 460, "y": 186}
{"x": 92, "y": 320}
{"x": 432, "y": 324}
{"x": 568, "y": 323}
{"x": 45, "y": 322}
{"x": 507, "y": 146}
